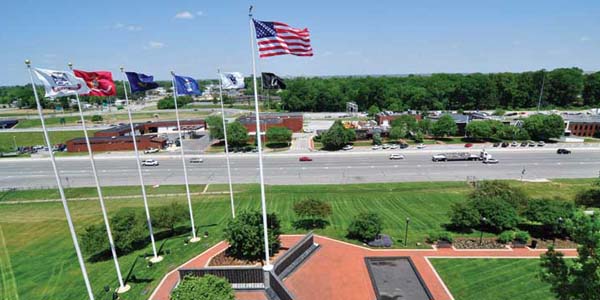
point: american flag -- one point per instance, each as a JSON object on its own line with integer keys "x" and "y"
{"x": 275, "y": 38}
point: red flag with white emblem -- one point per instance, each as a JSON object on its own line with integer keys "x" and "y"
{"x": 99, "y": 82}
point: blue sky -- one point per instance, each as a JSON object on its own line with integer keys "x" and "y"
{"x": 349, "y": 37}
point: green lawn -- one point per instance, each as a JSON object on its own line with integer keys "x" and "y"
{"x": 42, "y": 262}
{"x": 492, "y": 279}
{"x": 37, "y": 138}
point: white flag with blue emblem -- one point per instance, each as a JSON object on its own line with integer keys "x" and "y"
{"x": 61, "y": 83}
{"x": 232, "y": 80}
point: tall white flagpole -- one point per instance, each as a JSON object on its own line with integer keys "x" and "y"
{"x": 194, "y": 238}
{"x": 61, "y": 191}
{"x": 122, "y": 287}
{"x": 156, "y": 257}
{"x": 259, "y": 141}
{"x": 226, "y": 145}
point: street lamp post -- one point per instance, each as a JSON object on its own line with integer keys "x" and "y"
{"x": 560, "y": 221}
{"x": 406, "y": 231}
{"x": 483, "y": 219}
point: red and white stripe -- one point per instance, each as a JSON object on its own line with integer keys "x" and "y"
{"x": 289, "y": 40}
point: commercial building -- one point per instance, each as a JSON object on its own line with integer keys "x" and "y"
{"x": 385, "y": 118}
{"x": 152, "y": 127}
{"x": 116, "y": 143}
{"x": 291, "y": 121}
{"x": 582, "y": 125}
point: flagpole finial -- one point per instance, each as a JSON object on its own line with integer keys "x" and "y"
{"x": 121, "y": 68}
{"x": 28, "y": 62}
{"x": 172, "y": 73}
{"x": 70, "y": 64}
{"x": 250, "y": 10}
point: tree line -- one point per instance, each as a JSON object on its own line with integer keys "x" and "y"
{"x": 563, "y": 87}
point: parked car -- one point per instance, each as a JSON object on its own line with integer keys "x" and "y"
{"x": 394, "y": 146}
{"x": 497, "y": 144}
{"x": 563, "y": 151}
{"x": 505, "y": 144}
{"x": 305, "y": 158}
{"x": 396, "y": 156}
{"x": 151, "y": 150}
{"x": 532, "y": 144}
{"x": 385, "y": 146}
{"x": 514, "y": 144}
{"x": 524, "y": 144}
{"x": 403, "y": 146}
{"x": 348, "y": 147}
{"x": 541, "y": 144}
{"x": 376, "y": 147}
{"x": 421, "y": 146}
{"x": 490, "y": 161}
{"x": 196, "y": 160}
{"x": 149, "y": 163}
{"x": 468, "y": 145}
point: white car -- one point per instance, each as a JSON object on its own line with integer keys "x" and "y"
{"x": 385, "y": 146}
{"x": 150, "y": 150}
{"x": 149, "y": 163}
{"x": 348, "y": 147}
{"x": 490, "y": 161}
{"x": 196, "y": 160}
{"x": 394, "y": 146}
{"x": 376, "y": 147}
{"x": 396, "y": 156}
{"x": 421, "y": 146}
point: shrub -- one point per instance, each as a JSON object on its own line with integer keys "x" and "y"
{"x": 588, "y": 198}
{"x": 500, "y": 189}
{"x": 440, "y": 236}
{"x": 499, "y": 214}
{"x": 245, "y": 235}
{"x": 377, "y": 139}
{"x": 506, "y": 237}
{"x": 280, "y": 135}
{"x": 129, "y": 228}
{"x": 97, "y": 118}
{"x": 337, "y": 136}
{"x": 207, "y": 287}
{"x": 312, "y": 213}
{"x": 464, "y": 215}
{"x": 549, "y": 212}
{"x": 365, "y": 227}
{"x": 522, "y": 236}
{"x": 94, "y": 239}
{"x": 168, "y": 216}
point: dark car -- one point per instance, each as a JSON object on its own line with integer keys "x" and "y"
{"x": 524, "y": 144}
{"x": 403, "y": 146}
{"x": 382, "y": 240}
{"x": 496, "y": 144}
{"x": 563, "y": 151}
{"x": 305, "y": 158}
{"x": 505, "y": 144}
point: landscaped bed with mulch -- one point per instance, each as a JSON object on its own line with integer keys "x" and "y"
{"x": 560, "y": 244}
{"x": 473, "y": 243}
{"x": 223, "y": 259}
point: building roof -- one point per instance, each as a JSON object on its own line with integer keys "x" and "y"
{"x": 124, "y": 138}
{"x": 582, "y": 118}
{"x": 458, "y": 118}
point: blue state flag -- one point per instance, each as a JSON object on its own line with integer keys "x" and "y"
{"x": 186, "y": 86}
{"x": 140, "y": 82}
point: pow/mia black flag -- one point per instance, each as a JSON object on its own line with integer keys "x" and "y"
{"x": 271, "y": 81}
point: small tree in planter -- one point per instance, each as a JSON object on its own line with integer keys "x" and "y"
{"x": 506, "y": 237}
{"x": 442, "y": 239}
{"x": 208, "y": 287}
{"x": 521, "y": 239}
{"x": 245, "y": 235}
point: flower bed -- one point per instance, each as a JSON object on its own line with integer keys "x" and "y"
{"x": 473, "y": 243}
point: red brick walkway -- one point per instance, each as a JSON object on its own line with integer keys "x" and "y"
{"x": 337, "y": 270}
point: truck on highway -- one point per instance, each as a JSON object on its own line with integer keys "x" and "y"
{"x": 460, "y": 156}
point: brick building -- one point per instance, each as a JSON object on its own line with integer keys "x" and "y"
{"x": 292, "y": 121}
{"x": 583, "y": 125}
{"x": 385, "y": 118}
{"x": 151, "y": 127}
{"x": 116, "y": 143}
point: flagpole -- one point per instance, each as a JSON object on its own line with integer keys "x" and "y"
{"x": 156, "y": 257}
{"x": 61, "y": 191}
{"x": 122, "y": 287}
{"x": 194, "y": 238}
{"x": 226, "y": 145}
{"x": 259, "y": 141}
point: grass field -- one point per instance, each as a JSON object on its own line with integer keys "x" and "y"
{"x": 42, "y": 261}
{"x": 37, "y": 138}
{"x": 492, "y": 279}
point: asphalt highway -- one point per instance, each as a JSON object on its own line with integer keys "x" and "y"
{"x": 326, "y": 168}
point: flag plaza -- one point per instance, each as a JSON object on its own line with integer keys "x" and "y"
{"x": 272, "y": 38}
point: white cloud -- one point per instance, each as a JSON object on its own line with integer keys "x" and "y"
{"x": 128, "y": 27}
{"x": 584, "y": 38}
{"x": 118, "y": 26}
{"x": 200, "y": 13}
{"x": 184, "y": 15}
{"x": 155, "y": 45}
{"x": 134, "y": 28}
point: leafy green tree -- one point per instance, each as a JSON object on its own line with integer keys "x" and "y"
{"x": 337, "y": 136}
{"x": 445, "y": 126}
{"x": 418, "y": 137}
{"x": 169, "y": 216}
{"x": 373, "y": 110}
{"x": 591, "y": 89}
{"x": 408, "y": 122}
{"x": 564, "y": 85}
{"x": 97, "y": 118}
{"x": 588, "y": 198}
{"x": 245, "y": 235}
{"x": 515, "y": 196}
{"x": 464, "y": 215}
{"x": 377, "y": 139}
{"x": 207, "y": 287}
{"x": 215, "y": 127}
{"x": 365, "y": 227}
{"x": 397, "y": 133}
{"x": 313, "y": 211}
{"x": 237, "y": 134}
{"x": 479, "y": 130}
{"x": 169, "y": 103}
{"x": 544, "y": 127}
{"x": 279, "y": 135}
{"x": 94, "y": 239}
{"x": 550, "y": 213}
{"x": 424, "y": 126}
{"x": 129, "y": 229}
{"x": 579, "y": 278}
